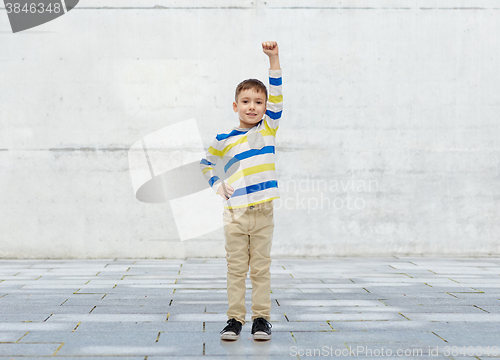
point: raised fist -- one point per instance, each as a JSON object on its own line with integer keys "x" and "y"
{"x": 270, "y": 48}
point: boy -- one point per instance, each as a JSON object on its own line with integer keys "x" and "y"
{"x": 248, "y": 152}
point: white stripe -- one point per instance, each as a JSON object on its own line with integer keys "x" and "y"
{"x": 275, "y": 90}
{"x": 274, "y": 107}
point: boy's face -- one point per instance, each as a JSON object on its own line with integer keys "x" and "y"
{"x": 251, "y": 107}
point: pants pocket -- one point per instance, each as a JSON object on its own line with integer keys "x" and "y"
{"x": 268, "y": 210}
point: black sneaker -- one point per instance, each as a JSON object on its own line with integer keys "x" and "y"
{"x": 232, "y": 330}
{"x": 261, "y": 329}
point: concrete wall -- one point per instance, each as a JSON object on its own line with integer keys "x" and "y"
{"x": 392, "y": 104}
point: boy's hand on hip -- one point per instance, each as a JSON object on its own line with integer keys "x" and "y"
{"x": 270, "y": 48}
{"x": 225, "y": 190}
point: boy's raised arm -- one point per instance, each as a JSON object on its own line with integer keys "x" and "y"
{"x": 270, "y": 48}
{"x": 275, "y": 101}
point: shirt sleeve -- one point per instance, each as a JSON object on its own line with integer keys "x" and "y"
{"x": 275, "y": 101}
{"x": 207, "y": 165}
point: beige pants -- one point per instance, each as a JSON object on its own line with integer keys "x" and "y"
{"x": 249, "y": 235}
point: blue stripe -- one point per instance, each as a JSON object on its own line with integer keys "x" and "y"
{"x": 246, "y": 154}
{"x": 206, "y": 162}
{"x": 275, "y": 81}
{"x": 232, "y": 133}
{"x": 254, "y": 188}
{"x": 212, "y": 180}
{"x": 274, "y": 115}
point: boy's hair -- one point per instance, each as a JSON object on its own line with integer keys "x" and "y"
{"x": 250, "y": 84}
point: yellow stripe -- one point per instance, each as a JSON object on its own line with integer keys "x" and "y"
{"x": 270, "y": 130}
{"x": 244, "y": 139}
{"x": 249, "y": 171}
{"x": 229, "y": 147}
{"x": 276, "y": 99}
{"x": 254, "y": 203}
{"x": 214, "y": 151}
{"x": 207, "y": 169}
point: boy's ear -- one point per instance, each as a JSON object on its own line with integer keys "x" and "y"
{"x": 235, "y": 106}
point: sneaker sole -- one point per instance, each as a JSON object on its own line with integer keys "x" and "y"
{"x": 261, "y": 336}
{"x": 229, "y": 336}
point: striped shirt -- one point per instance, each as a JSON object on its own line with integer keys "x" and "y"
{"x": 248, "y": 155}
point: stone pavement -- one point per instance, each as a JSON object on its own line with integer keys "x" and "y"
{"x": 417, "y": 307}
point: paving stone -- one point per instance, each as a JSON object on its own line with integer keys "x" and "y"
{"x": 406, "y": 326}
{"x": 466, "y": 338}
{"x": 449, "y": 301}
{"x": 75, "y": 301}
{"x": 108, "y": 343}
{"x": 301, "y": 303}
{"x": 127, "y": 282}
{"x": 43, "y": 309}
{"x": 131, "y": 326}
{"x": 79, "y": 337}
{"x": 458, "y": 309}
{"x": 132, "y": 296}
{"x": 205, "y": 302}
{"x": 41, "y": 291}
{"x": 343, "y": 316}
{"x": 19, "y": 349}
{"x": 17, "y": 277}
{"x": 11, "y": 336}
{"x": 15, "y": 284}
{"x": 291, "y": 311}
{"x": 297, "y": 326}
{"x": 107, "y": 317}
{"x": 33, "y": 326}
{"x": 139, "y": 309}
{"x": 127, "y": 350}
{"x": 24, "y": 317}
{"x": 159, "y": 302}
{"x": 317, "y": 339}
{"x": 473, "y": 296}
{"x": 388, "y": 336}
{"x": 493, "y": 309}
{"x": 11, "y": 300}
{"x": 482, "y": 316}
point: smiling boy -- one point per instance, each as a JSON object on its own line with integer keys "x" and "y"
{"x": 248, "y": 154}
{"x": 251, "y": 103}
